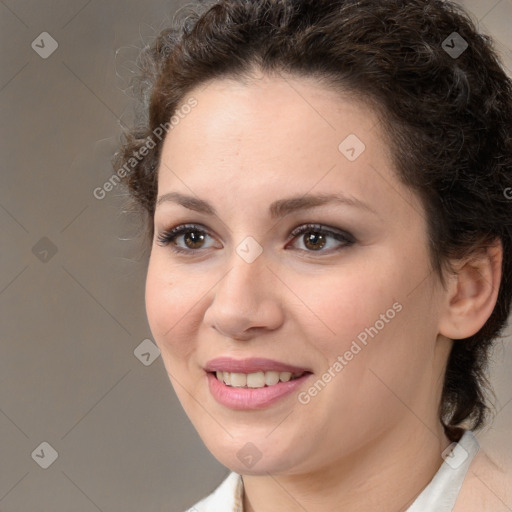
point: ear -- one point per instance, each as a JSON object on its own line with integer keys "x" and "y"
{"x": 472, "y": 292}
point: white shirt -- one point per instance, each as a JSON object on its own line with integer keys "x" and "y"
{"x": 439, "y": 495}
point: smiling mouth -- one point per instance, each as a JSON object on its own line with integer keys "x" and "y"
{"x": 255, "y": 380}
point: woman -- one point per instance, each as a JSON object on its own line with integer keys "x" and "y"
{"x": 330, "y": 247}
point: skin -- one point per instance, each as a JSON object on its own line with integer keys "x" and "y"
{"x": 352, "y": 446}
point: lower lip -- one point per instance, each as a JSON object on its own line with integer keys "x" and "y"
{"x": 252, "y": 398}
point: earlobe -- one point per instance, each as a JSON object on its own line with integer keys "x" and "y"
{"x": 472, "y": 292}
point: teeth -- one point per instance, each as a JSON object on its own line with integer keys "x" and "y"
{"x": 285, "y": 376}
{"x": 238, "y": 380}
{"x": 255, "y": 380}
{"x": 271, "y": 378}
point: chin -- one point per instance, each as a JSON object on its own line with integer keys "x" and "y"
{"x": 252, "y": 454}
{"x": 256, "y": 467}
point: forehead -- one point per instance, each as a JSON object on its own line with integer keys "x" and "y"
{"x": 273, "y": 135}
{"x": 228, "y": 109}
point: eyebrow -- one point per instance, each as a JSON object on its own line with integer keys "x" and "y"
{"x": 277, "y": 209}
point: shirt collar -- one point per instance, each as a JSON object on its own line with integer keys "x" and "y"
{"x": 439, "y": 495}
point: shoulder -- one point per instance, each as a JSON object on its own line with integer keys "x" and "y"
{"x": 487, "y": 486}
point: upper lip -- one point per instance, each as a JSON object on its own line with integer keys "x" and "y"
{"x": 250, "y": 365}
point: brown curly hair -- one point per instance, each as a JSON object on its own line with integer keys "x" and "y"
{"x": 448, "y": 120}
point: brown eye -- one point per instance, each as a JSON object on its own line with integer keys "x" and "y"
{"x": 193, "y": 239}
{"x": 314, "y": 241}
{"x": 185, "y": 238}
{"x": 317, "y": 238}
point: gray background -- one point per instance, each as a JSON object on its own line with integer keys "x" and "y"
{"x": 72, "y": 319}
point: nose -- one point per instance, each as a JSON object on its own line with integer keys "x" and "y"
{"x": 246, "y": 301}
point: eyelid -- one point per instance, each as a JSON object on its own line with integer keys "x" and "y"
{"x": 345, "y": 238}
{"x": 167, "y": 236}
{"x": 321, "y": 228}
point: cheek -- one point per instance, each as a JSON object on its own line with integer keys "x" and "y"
{"x": 341, "y": 305}
{"x": 385, "y": 336}
{"x": 170, "y": 310}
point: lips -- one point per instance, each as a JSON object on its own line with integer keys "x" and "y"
{"x": 251, "y": 365}
{"x": 254, "y": 383}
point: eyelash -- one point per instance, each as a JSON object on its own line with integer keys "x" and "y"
{"x": 167, "y": 237}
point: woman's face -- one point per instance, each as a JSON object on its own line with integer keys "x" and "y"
{"x": 351, "y": 301}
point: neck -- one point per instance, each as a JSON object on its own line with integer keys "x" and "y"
{"x": 386, "y": 475}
